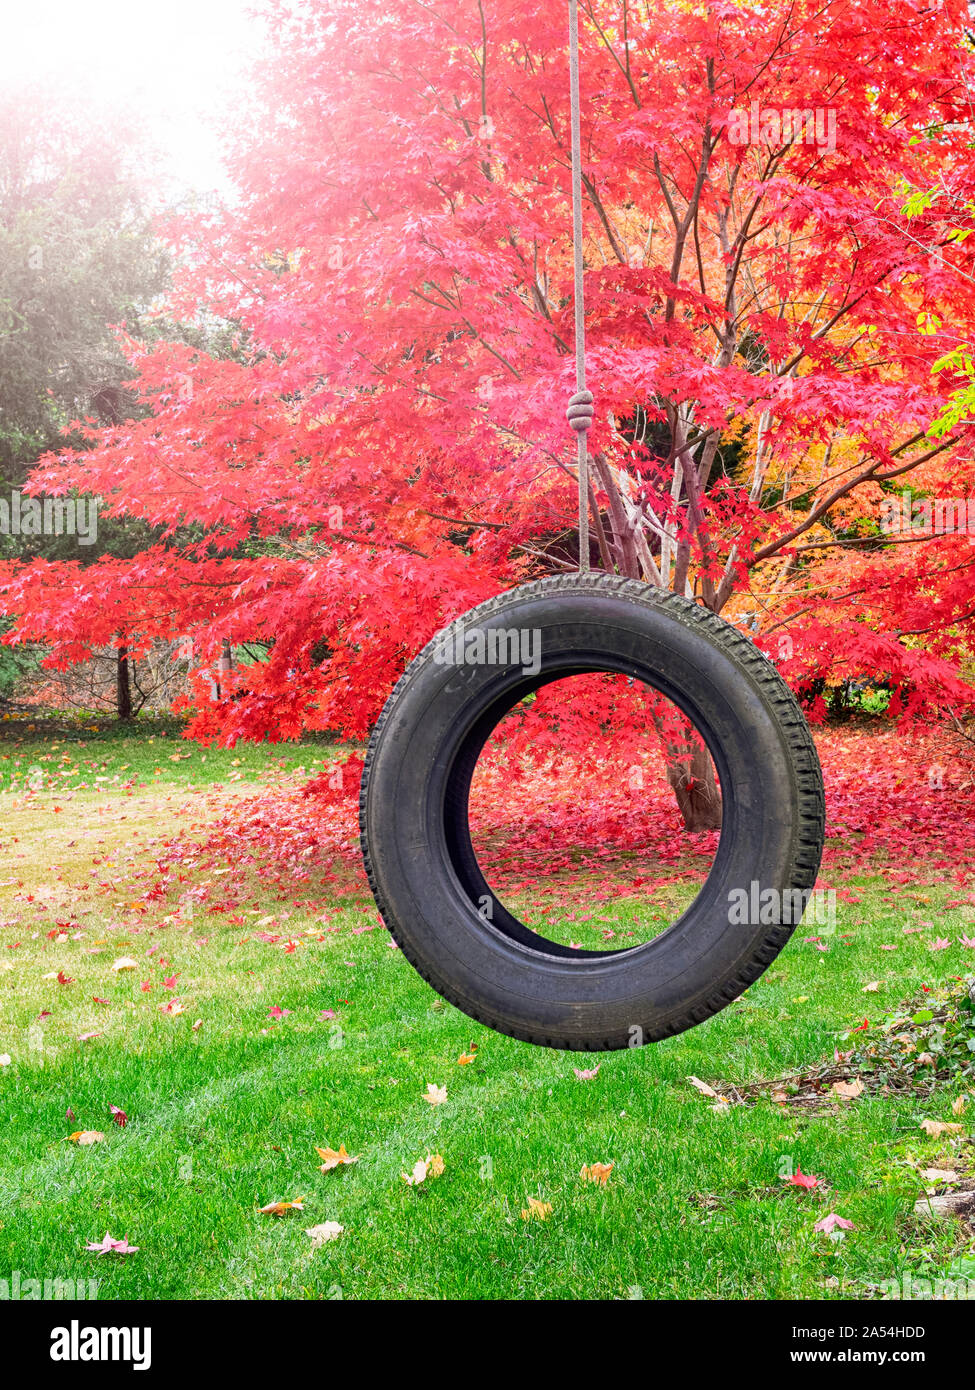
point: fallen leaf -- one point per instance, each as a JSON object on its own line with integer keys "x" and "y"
{"x": 536, "y": 1210}
{"x": 328, "y": 1230}
{"x": 831, "y": 1222}
{"x": 586, "y": 1073}
{"x": 417, "y": 1175}
{"x": 703, "y": 1087}
{"x": 936, "y": 1127}
{"x": 801, "y": 1179}
{"x": 430, "y": 1167}
{"x": 124, "y": 963}
{"x": 596, "y": 1172}
{"x": 279, "y": 1208}
{"x": 435, "y": 1095}
{"x": 849, "y": 1090}
{"x": 110, "y": 1246}
{"x": 939, "y": 1175}
{"x": 335, "y": 1158}
{"x": 86, "y": 1136}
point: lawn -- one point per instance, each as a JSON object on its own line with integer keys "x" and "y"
{"x": 262, "y": 1020}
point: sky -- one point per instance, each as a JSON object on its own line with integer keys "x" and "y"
{"x": 176, "y": 63}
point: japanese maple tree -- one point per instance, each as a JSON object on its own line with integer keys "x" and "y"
{"x": 767, "y": 299}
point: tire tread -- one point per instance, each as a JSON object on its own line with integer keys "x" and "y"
{"x": 811, "y": 813}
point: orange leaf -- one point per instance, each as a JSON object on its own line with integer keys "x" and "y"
{"x": 279, "y": 1208}
{"x": 936, "y": 1127}
{"x": 334, "y": 1158}
{"x": 536, "y": 1210}
{"x": 596, "y": 1172}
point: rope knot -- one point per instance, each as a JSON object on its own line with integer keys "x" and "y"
{"x": 580, "y": 411}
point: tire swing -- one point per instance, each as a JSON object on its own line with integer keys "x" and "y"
{"x": 414, "y": 803}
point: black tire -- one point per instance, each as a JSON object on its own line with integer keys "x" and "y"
{"x": 426, "y": 879}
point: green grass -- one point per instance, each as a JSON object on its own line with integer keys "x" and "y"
{"x": 225, "y": 1118}
{"x": 91, "y": 753}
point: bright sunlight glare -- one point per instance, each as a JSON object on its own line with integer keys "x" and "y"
{"x": 177, "y": 67}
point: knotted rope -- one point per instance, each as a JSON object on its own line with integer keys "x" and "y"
{"x": 580, "y": 411}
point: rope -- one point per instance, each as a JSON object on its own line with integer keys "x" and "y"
{"x": 580, "y": 411}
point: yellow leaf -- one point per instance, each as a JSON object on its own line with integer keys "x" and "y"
{"x": 124, "y": 963}
{"x": 465, "y": 1059}
{"x": 435, "y": 1095}
{"x": 958, "y": 1105}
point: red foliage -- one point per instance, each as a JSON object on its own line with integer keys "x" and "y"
{"x": 388, "y": 446}
{"x": 893, "y": 808}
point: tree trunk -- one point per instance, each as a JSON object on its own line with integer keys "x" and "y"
{"x": 123, "y": 697}
{"x": 690, "y": 771}
{"x": 224, "y": 666}
{"x": 691, "y": 776}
